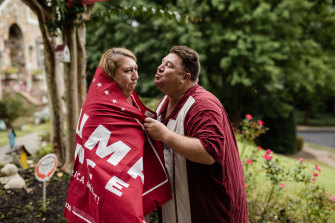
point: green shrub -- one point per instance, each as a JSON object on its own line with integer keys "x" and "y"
{"x": 300, "y": 143}
{"x": 268, "y": 200}
{"x": 281, "y": 136}
{"x": 11, "y": 70}
{"x": 44, "y": 150}
{"x": 10, "y": 110}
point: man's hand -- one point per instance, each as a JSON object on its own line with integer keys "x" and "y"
{"x": 156, "y": 130}
{"x": 188, "y": 147}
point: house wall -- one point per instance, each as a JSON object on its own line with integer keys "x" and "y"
{"x": 14, "y": 13}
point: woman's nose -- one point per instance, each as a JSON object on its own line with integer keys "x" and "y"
{"x": 135, "y": 75}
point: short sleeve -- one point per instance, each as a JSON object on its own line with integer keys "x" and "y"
{"x": 206, "y": 122}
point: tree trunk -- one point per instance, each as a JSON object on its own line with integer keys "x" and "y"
{"x": 307, "y": 113}
{"x": 81, "y": 42}
{"x": 71, "y": 80}
{"x": 55, "y": 107}
{"x": 56, "y": 112}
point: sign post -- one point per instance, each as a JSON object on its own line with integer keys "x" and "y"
{"x": 44, "y": 170}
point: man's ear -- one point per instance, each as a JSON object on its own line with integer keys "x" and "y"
{"x": 186, "y": 78}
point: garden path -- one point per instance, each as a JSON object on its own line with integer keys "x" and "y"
{"x": 30, "y": 141}
{"x": 312, "y": 153}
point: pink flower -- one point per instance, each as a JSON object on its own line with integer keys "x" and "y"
{"x": 314, "y": 179}
{"x": 260, "y": 122}
{"x": 282, "y": 185}
{"x": 245, "y": 185}
{"x": 248, "y": 116}
{"x": 260, "y": 148}
{"x": 249, "y": 161}
{"x": 331, "y": 197}
{"x": 301, "y": 159}
{"x": 269, "y": 151}
{"x": 317, "y": 168}
{"x": 267, "y": 157}
{"x": 315, "y": 174}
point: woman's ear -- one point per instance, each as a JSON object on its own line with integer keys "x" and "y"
{"x": 186, "y": 77}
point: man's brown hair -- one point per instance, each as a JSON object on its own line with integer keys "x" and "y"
{"x": 190, "y": 60}
{"x": 109, "y": 60}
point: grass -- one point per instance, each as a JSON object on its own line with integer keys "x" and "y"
{"x": 29, "y": 129}
{"x": 325, "y": 178}
{"x": 324, "y": 148}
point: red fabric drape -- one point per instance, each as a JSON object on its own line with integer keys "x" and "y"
{"x": 118, "y": 173}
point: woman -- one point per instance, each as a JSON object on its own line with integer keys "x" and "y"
{"x": 120, "y": 65}
{"x": 113, "y": 154}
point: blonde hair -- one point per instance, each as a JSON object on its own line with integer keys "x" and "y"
{"x": 109, "y": 60}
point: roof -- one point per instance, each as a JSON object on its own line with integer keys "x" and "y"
{"x": 60, "y": 47}
{"x": 18, "y": 148}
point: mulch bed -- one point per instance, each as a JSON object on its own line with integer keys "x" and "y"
{"x": 21, "y": 205}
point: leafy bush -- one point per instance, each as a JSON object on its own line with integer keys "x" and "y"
{"x": 11, "y": 70}
{"x": 249, "y": 130}
{"x": 300, "y": 143}
{"x": 44, "y": 150}
{"x": 271, "y": 204}
{"x": 10, "y": 110}
{"x": 282, "y": 134}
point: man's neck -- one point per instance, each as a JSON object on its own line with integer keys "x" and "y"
{"x": 175, "y": 98}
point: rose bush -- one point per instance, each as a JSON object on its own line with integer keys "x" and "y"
{"x": 266, "y": 179}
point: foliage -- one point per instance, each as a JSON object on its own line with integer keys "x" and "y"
{"x": 37, "y": 72}
{"x": 44, "y": 150}
{"x": 311, "y": 204}
{"x": 317, "y": 119}
{"x": 151, "y": 103}
{"x": 249, "y": 131}
{"x": 134, "y": 30}
{"x": 10, "y": 110}
{"x": 11, "y": 70}
{"x": 300, "y": 143}
{"x": 259, "y": 56}
{"x": 282, "y": 135}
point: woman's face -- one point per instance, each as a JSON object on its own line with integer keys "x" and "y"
{"x": 126, "y": 75}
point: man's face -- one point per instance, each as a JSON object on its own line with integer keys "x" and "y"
{"x": 169, "y": 73}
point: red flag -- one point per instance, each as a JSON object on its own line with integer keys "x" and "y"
{"x": 118, "y": 173}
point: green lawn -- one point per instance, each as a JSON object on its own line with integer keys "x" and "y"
{"x": 29, "y": 129}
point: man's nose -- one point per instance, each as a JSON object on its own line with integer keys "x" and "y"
{"x": 160, "y": 68}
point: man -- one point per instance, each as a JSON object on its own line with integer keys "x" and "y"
{"x": 201, "y": 154}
